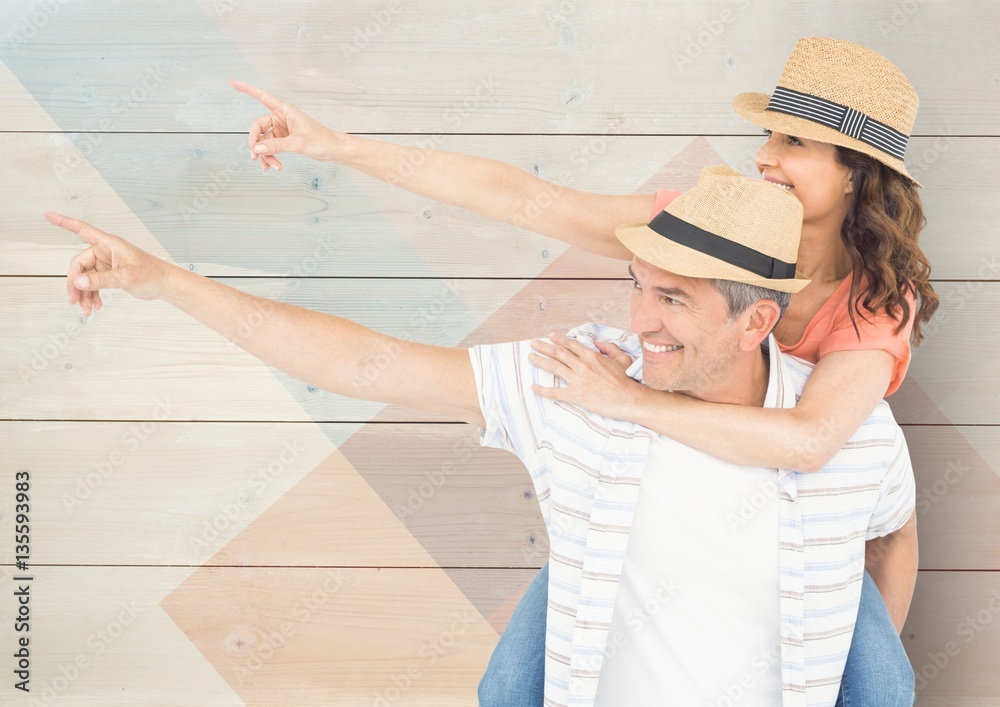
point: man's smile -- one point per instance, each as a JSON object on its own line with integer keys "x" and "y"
{"x": 659, "y": 348}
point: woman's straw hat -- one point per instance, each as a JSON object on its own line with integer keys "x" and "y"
{"x": 840, "y": 93}
{"x": 728, "y": 227}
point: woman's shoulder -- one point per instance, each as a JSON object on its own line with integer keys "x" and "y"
{"x": 833, "y": 328}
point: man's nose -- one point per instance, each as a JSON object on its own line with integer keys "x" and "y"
{"x": 643, "y": 320}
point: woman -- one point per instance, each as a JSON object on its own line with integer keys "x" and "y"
{"x": 840, "y": 118}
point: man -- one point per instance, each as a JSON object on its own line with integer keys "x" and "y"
{"x": 716, "y": 584}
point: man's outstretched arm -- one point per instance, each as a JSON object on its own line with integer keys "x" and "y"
{"x": 332, "y": 353}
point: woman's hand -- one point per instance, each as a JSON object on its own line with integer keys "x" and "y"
{"x": 287, "y": 129}
{"x": 594, "y": 381}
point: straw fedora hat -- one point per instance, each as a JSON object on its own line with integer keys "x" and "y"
{"x": 840, "y": 93}
{"x": 728, "y": 227}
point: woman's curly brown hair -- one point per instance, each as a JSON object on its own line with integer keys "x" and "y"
{"x": 880, "y": 234}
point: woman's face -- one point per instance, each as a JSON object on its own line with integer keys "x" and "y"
{"x": 809, "y": 170}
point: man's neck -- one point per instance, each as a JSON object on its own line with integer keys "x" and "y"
{"x": 744, "y": 384}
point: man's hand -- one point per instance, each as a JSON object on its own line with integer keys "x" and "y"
{"x": 287, "y": 129}
{"x": 109, "y": 263}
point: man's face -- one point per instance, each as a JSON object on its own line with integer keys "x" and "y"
{"x": 689, "y": 342}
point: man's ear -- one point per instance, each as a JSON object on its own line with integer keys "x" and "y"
{"x": 758, "y": 321}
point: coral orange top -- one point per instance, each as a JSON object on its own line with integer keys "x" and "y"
{"x": 831, "y": 329}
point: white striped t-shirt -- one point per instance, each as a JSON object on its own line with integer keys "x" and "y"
{"x": 587, "y": 469}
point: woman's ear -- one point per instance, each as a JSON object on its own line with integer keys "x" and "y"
{"x": 848, "y": 181}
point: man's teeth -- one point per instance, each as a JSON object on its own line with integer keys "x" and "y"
{"x": 654, "y": 348}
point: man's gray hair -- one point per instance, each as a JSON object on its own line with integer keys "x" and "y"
{"x": 739, "y": 296}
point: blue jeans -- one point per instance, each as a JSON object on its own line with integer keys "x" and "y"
{"x": 515, "y": 675}
{"x": 877, "y": 674}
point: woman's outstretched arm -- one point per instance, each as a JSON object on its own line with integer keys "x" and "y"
{"x": 841, "y": 393}
{"x": 487, "y": 187}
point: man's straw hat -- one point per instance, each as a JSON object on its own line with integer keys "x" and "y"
{"x": 840, "y": 93}
{"x": 728, "y": 227}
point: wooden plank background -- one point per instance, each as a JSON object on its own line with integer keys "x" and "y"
{"x": 206, "y": 530}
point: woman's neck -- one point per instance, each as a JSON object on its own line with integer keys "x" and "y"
{"x": 822, "y": 256}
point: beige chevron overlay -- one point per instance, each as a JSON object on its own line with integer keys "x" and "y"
{"x": 262, "y": 631}
{"x": 249, "y": 562}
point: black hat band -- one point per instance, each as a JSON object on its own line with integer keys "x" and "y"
{"x": 689, "y": 235}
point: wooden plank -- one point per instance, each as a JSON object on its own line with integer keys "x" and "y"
{"x": 230, "y": 636}
{"x": 952, "y": 638}
{"x": 116, "y": 365}
{"x": 166, "y": 493}
{"x": 571, "y": 67}
{"x": 362, "y": 628}
{"x": 957, "y": 472}
{"x": 192, "y": 493}
{"x": 97, "y": 636}
{"x": 60, "y": 370}
{"x": 211, "y": 209}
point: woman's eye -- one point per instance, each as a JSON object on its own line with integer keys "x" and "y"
{"x": 636, "y": 285}
{"x": 794, "y": 140}
{"x": 767, "y": 133}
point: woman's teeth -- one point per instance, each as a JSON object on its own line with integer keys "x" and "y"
{"x": 655, "y": 348}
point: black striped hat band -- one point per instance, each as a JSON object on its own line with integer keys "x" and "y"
{"x": 846, "y": 120}
{"x": 687, "y": 234}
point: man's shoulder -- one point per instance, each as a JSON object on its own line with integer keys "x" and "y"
{"x": 587, "y": 334}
